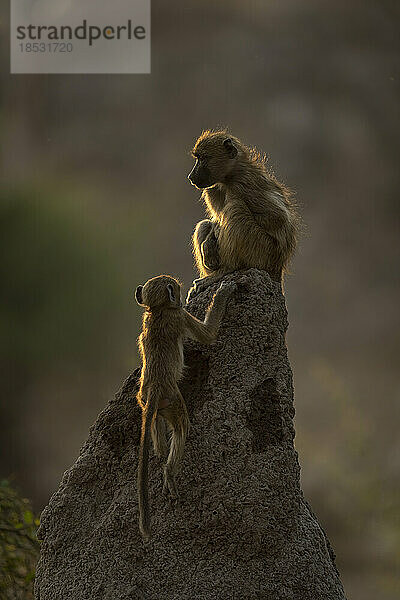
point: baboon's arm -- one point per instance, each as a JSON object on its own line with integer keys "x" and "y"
{"x": 206, "y": 332}
{"x": 215, "y": 200}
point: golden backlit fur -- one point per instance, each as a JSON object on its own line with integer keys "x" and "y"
{"x": 165, "y": 326}
{"x": 253, "y": 220}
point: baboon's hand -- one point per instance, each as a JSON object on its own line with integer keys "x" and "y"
{"x": 227, "y": 289}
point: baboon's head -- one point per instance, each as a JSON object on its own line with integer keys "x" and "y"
{"x": 216, "y": 154}
{"x": 159, "y": 292}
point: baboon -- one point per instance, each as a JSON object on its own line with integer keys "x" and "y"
{"x": 253, "y": 221}
{"x": 165, "y": 325}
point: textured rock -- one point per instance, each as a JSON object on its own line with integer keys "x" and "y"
{"x": 241, "y": 528}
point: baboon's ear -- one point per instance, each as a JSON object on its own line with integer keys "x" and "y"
{"x": 139, "y": 295}
{"x": 171, "y": 293}
{"x": 230, "y": 148}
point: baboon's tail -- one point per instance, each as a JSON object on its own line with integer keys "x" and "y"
{"x": 143, "y": 468}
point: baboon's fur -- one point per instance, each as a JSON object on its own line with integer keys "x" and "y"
{"x": 253, "y": 220}
{"x": 165, "y": 325}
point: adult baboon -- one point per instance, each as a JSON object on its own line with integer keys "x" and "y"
{"x": 253, "y": 221}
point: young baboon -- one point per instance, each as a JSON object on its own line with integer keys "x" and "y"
{"x": 253, "y": 221}
{"x": 165, "y": 325}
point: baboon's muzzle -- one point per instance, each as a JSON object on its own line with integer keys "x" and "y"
{"x": 200, "y": 180}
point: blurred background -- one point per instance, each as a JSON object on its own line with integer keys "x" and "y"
{"x": 95, "y": 200}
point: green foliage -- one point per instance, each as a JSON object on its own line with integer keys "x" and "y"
{"x": 19, "y": 548}
{"x": 58, "y": 281}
